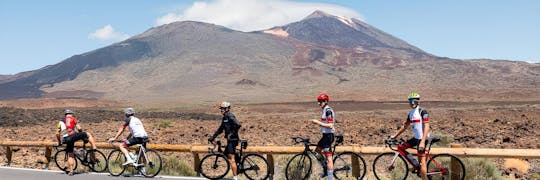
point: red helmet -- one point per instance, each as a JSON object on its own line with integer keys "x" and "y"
{"x": 323, "y": 97}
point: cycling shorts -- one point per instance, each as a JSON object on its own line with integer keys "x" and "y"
{"x": 231, "y": 147}
{"x": 325, "y": 144}
{"x": 135, "y": 140}
{"x": 70, "y": 140}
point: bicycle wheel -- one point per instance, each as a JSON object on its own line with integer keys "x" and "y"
{"x": 388, "y": 166}
{"x": 299, "y": 167}
{"x": 151, "y": 165}
{"x": 255, "y": 167}
{"x": 61, "y": 161}
{"x": 98, "y": 163}
{"x": 214, "y": 166}
{"x": 114, "y": 162}
{"x": 343, "y": 166}
{"x": 443, "y": 163}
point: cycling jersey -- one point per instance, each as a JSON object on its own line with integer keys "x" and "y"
{"x": 417, "y": 118}
{"x": 327, "y": 118}
{"x": 67, "y": 126}
{"x": 230, "y": 125}
{"x": 135, "y": 127}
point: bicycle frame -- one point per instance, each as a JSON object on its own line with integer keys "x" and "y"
{"x": 401, "y": 151}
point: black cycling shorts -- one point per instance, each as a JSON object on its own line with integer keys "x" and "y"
{"x": 413, "y": 143}
{"x": 135, "y": 140}
{"x": 70, "y": 140}
{"x": 231, "y": 147}
{"x": 326, "y": 141}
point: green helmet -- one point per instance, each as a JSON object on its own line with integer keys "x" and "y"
{"x": 414, "y": 95}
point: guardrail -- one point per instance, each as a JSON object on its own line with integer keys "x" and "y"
{"x": 270, "y": 151}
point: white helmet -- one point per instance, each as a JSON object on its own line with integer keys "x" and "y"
{"x": 224, "y": 104}
{"x": 129, "y": 111}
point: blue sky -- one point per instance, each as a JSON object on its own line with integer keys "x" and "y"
{"x": 38, "y": 33}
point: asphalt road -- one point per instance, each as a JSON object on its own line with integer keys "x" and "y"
{"x": 9, "y": 173}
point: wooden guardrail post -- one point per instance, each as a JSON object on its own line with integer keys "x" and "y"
{"x": 455, "y": 166}
{"x": 48, "y": 152}
{"x": 196, "y": 162}
{"x": 270, "y": 159}
{"x": 9, "y": 153}
{"x": 355, "y": 166}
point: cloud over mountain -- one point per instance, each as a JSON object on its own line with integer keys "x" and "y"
{"x": 251, "y": 15}
{"x": 107, "y": 33}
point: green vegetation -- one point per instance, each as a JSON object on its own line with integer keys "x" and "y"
{"x": 175, "y": 167}
{"x": 446, "y": 139}
{"x": 165, "y": 124}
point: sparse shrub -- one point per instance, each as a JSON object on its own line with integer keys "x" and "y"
{"x": 481, "y": 168}
{"x": 175, "y": 167}
{"x": 446, "y": 139}
{"x": 165, "y": 124}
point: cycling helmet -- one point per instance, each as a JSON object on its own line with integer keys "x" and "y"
{"x": 224, "y": 104}
{"x": 67, "y": 111}
{"x": 413, "y": 95}
{"x": 129, "y": 111}
{"x": 323, "y": 97}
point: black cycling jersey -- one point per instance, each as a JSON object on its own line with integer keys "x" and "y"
{"x": 230, "y": 125}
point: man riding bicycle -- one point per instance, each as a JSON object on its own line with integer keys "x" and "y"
{"x": 327, "y": 128}
{"x": 137, "y": 134}
{"x": 418, "y": 118}
{"x": 230, "y": 125}
{"x": 66, "y": 134}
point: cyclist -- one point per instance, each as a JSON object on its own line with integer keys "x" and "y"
{"x": 66, "y": 134}
{"x": 418, "y": 118}
{"x": 230, "y": 125}
{"x": 137, "y": 134}
{"x": 327, "y": 127}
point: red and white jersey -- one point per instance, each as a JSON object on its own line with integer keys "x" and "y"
{"x": 327, "y": 118}
{"x": 417, "y": 118}
{"x": 67, "y": 126}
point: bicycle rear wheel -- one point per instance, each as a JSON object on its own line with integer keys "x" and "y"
{"x": 388, "y": 166}
{"x": 255, "y": 167}
{"x": 214, "y": 166}
{"x": 440, "y": 167}
{"x": 98, "y": 163}
{"x": 61, "y": 161}
{"x": 299, "y": 167}
{"x": 151, "y": 165}
{"x": 343, "y": 166}
{"x": 114, "y": 162}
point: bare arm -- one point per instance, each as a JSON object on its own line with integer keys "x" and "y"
{"x": 119, "y": 132}
{"x": 405, "y": 126}
{"x": 58, "y": 136}
{"x": 320, "y": 123}
{"x": 424, "y": 136}
{"x": 78, "y": 127}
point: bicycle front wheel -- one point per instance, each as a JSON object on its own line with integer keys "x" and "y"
{"x": 255, "y": 167}
{"x": 299, "y": 167}
{"x": 114, "y": 162}
{"x": 151, "y": 165}
{"x": 344, "y": 163}
{"x": 214, "y": 166}
{"x": 445, "y": 166}
{"x": 390, "y": 166}
{"x": 61, "y": 161}
{"x": 96, "y": 162}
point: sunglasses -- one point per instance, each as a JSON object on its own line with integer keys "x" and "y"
{"x": 413, "y": 101}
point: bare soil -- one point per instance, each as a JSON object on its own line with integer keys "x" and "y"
{"x": 512, "y": 124}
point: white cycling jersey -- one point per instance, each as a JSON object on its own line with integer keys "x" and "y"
{"x": 417, "y": 118}
{"x": 135, "y": 127}
{"x": 327, "y": 118}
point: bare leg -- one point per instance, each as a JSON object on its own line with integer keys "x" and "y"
{"x": 423, "y": 168}
{"x": 71, "y": 161}
{"x": 330, "y": 166}
{"x": 233, "y": 164}
{"x": 91, "y": 140}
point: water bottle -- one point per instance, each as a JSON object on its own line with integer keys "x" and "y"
{"x": 413, "y": 160}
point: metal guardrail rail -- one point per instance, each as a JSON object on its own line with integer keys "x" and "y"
{"x": 270, "y": 151}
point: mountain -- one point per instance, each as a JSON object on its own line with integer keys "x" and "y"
{"x": 196, "y": 63}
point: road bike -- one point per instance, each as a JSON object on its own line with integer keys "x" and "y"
{"x": 147, "y": 161}
{"x": 215, "y": 165}
{"x": 300, "y": 165}
{"x": 393, "y": 165}
{"x": 92, "y": 158}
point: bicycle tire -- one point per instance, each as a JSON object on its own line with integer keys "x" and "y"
{"x": 212, "y": 162}
{"x": 445, "y": 160}
{"x": 61, "y": 160}
{"x": 294, "y": 172}
{"x": 153, "y": 166}
{"x": 343, "y": 165}
{"x": 383, "y": 171}
{"x": 114, "y": 162}
{"x": 255, "y": 167}
{"x": 99, "y": 163}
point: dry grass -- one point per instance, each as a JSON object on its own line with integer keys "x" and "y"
{"x": 521, "y": 165}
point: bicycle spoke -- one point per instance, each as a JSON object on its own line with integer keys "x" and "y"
{"x": 214, "y": 166}
{"x": 114, "y": 163}
{"x": 97, "y": 162}
{"x": 445, "y": 166}
{"x": 387, "y": 166}
{"x": 299, "y": 167}
{"x": 255, "y": 166}
{"x": 150, "y": 164}
{"x": 343, "y": 166}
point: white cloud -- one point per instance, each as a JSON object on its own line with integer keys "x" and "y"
{"x": 251, "y": 15}
{"x": 107, "y": 33}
